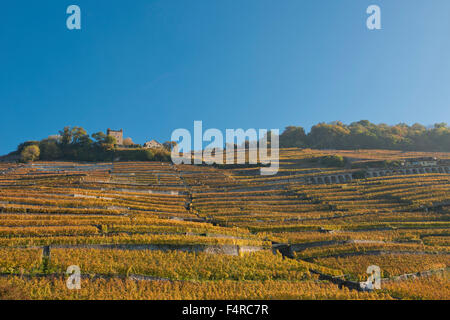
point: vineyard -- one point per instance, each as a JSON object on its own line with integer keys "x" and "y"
{"x": 152, "y": 230}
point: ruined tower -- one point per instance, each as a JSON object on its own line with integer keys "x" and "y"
{"x": 118, "y": 134}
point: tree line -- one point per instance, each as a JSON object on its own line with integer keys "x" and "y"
{"x": 75, "y": 144}
{"x": 366, "y": 135}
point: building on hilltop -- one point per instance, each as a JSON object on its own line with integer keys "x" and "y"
{"x": 152, "y": 144}
{"x": 118, "y": 134}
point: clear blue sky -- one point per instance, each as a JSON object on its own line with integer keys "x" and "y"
{"x": 150, "y": 67}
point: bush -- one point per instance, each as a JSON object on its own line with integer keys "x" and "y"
{"x": 30, "y": 153}
{"x": 50, "y": 150}
{"x": 128, "y": 142}
{"x": 161, "y": 154}
{"x": 25, "y": 144}
{"x": 332, "y": 161}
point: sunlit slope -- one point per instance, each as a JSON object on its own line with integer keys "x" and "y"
{"x": 149, "y": 222}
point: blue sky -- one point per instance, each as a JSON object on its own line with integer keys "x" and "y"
{"x": 150, "y": 67}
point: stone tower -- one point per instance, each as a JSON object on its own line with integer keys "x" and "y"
{"x": 118, "y": 134}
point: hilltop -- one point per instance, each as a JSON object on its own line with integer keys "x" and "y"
{"x": 75, "y": 144}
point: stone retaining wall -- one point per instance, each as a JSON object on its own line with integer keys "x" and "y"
{"x": 233, "y": 250}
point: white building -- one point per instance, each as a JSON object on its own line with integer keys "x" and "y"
{"x": 152, "y": 144}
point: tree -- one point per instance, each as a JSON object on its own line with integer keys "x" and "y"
{"x": 103, "y": 141}
{"x": 333, "y": 161}
{"x": 66, "y": 136}
{"x": 25, "y": 144}
{"x": 328, "y": 136}
{"x": 128, "y": 142}
{"x": 30, "y": 153}
{"x": 268, "y": 137}
{"x": 109, "y": 143}
{"x": 80, "y": 136}
{"x": 99, "y": 137}
{"x": 170, "y": 145}
{"x": 293, "y": 137}
{"x": 148, "y": 154}
{"x": 159, "y": 154}
{"x": 440, "y": 125}
{"x": 50, "y": 149}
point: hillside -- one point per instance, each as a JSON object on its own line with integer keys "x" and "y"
{"x": 309, "y": 232}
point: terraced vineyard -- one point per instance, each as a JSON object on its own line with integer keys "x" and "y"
{"x": 149, "y": 230}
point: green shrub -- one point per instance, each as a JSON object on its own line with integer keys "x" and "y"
{"x": 30, "y": 153}
{"x": 332, "y": 161}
